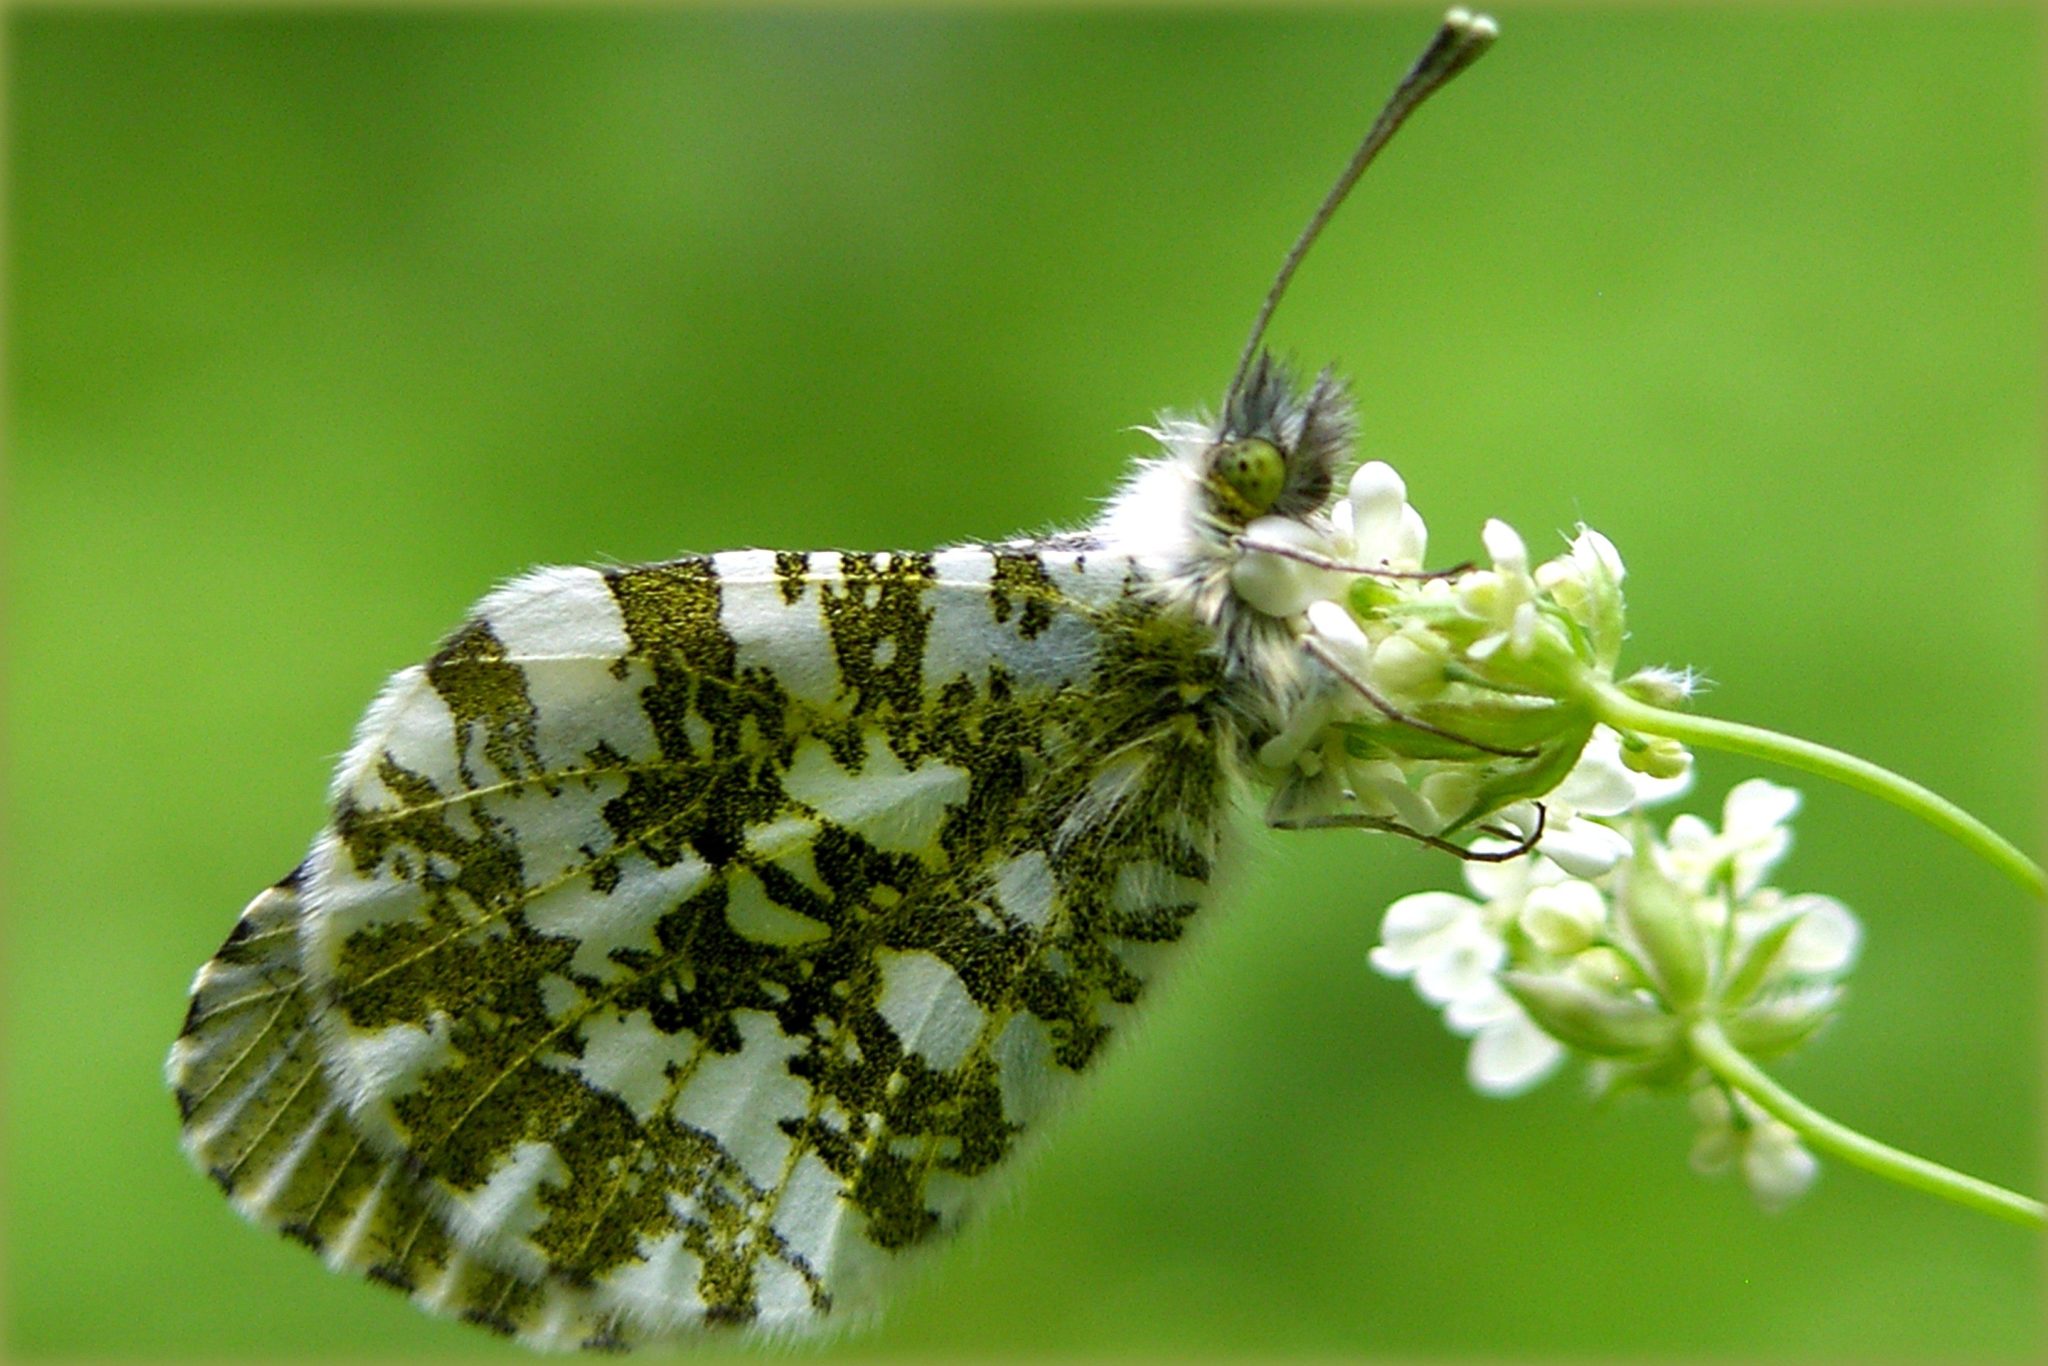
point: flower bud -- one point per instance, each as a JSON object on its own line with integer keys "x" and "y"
{"x": 1757, "y": 962}
{"x": 1504, "y": 545}
{"x": 1657, "y": 920}
{"x": 1564, "y": 917}
{"x": 1658, "y": 756}
{"x": 1605, "y": 970}
{"x": 1779, "y": 1023}
{"x": 1410, "y": 666}
{"x": 1660, "y": 687}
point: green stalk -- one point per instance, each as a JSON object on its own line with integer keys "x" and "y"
{"x": 1725, "y": 1061}
{"x": 1623, "y": 712}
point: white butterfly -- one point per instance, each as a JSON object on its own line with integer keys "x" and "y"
{"x": 692, "y": 943}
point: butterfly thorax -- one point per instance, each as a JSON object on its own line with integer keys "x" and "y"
{"x": 1182, "y": 515}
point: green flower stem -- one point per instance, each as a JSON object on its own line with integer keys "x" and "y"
{"x": 1728, "y": 1063}
{"x": 1623, "y": 712}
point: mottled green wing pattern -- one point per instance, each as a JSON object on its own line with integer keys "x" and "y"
{"x": 693, "y": 942}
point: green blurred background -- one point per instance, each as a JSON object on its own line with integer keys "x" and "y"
{"x": 322, "y": 324}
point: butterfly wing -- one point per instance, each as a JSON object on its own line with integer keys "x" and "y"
{"x": 694, "y": 942}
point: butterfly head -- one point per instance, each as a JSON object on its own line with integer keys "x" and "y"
{"x": 1277, "y": 448}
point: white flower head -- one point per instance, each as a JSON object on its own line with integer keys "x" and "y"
{"x": 1442, "y": 941}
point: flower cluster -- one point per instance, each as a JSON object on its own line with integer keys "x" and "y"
{"x": 1454, "y": 700}
{"x": 1624, "y": 966}
{"x": 1478, "y": 709}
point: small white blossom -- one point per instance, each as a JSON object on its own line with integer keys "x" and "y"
{"x": 1752, "y": 839}
{"x": 1382, "y": 529}
{"x": 1454, "y": 949}
{"x": 1775, "y": 1166}
{"x": 1586, "y": 582}
{"x": 1583, "y": 848}
{"x": 1444, "y": 942}
{"x": 1279, "y": 584}
{"x": 1825, "y": 941}
{"x": 1503, "y": 597}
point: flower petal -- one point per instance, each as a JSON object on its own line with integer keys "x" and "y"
{"x": 1415, "y": 929}
{"x": 1465, "y": 968}
{"x": 1599, "y": 783}
{"x": 1411, "y": 546}
{"x": 1471, "y": 1013}
{"x": 1504, "y": 547}
{"x": 1376, "y": 497}
{"x": 1756, "y": 806}
{"x": 1826, "y": 939}
{"x": 1776, "y": 1166}
{"x": 1510, "y": 1057}
{"x": 1277, "y": 584}
{"x": 1583, "y": 848}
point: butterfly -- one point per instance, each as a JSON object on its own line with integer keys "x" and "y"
{"x": 693, "y": 944}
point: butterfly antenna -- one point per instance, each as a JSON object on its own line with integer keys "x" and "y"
{"x": 1457, "y": 44}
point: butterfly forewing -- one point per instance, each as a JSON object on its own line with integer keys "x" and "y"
{"x": 692, "y": 942}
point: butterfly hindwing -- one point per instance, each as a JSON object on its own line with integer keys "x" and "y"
{"x": 694, "y": 941}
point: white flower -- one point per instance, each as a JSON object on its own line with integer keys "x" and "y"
{"x": 1382, "y": 529}
{"x": 1586, "y": 582}
{"x": 1825, "y": 941}
{"x": 1443, "y": 941}
{"x": 1279, "y": 584}
{"x": 1340, "y": 634}
{"x": 1565, "y": 917}
{"x": 1452, "y": 947}
{"x": 1503, "y": 597}
{"x": 1774, "y": 1164}
{"x": 1753, "y": 837}
{"x": 1509, "y": 1054}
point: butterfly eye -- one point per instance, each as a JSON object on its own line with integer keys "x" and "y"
{"x": 1247, "y": 475}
